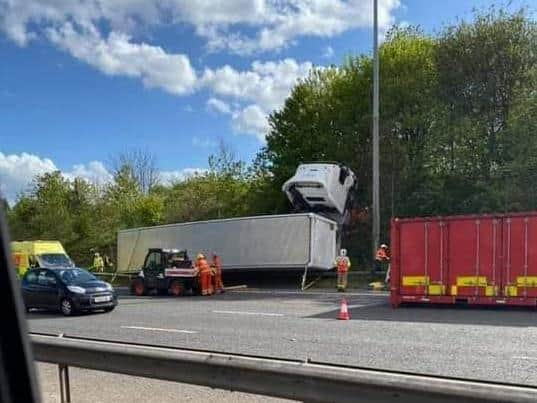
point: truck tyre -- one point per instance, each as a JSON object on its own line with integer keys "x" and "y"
{"x": 176, "y": 288}
{"x": 138, "y": 287}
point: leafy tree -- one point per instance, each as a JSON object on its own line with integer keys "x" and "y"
{"x": 481, "y": 67}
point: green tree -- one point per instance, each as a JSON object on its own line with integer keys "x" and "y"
{"x": 482, "y": 65}
{"x": 221, "y": 192}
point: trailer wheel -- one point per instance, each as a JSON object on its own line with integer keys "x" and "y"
{"x": 138, "y": 287}
{"x": 176, "y": 288}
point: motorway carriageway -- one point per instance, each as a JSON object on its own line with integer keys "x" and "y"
{"x": 487, "y": 344}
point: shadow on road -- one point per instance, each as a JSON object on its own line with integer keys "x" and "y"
{"x": 50, "y": 314}
{"x": 462, "y": 315}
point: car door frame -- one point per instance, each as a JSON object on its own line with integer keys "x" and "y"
{"x": 51, "y": 290}
{"x": 31, "y": 291}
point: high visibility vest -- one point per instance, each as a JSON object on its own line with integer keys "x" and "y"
{"x": 98, "y": 262}
{"x": 342, "y": 264}
{"x": 381, "y": 255}
{"x": 203, "y": 266}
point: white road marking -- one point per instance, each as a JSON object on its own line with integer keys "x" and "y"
{"x": 249, "y": 313}
{"x": 382, "y": 294}
{"x": 362, "y": 305}
{"x": 524, "y": 358}
{"x": 157, "y": 329}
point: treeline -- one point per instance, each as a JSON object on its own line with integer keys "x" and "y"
{"x": 458, "y": 134}
{"x": 86, "y": 216}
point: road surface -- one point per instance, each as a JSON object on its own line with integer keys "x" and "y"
{"x": 482, "y": 344}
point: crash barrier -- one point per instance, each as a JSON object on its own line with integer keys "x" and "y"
{"x": 298, "y": 380}
{"x": 111, "y": 277}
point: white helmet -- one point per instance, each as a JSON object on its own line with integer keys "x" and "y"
{"x": 384, "y": 246}
{"x": 343, "y": 252}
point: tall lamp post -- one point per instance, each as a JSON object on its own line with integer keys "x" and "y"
{"x": 376, "y": 202}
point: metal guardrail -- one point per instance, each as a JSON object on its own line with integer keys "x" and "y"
{"x": 303, "y": 381}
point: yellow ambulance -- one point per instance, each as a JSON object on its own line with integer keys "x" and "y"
{"x": 28, "y": 254}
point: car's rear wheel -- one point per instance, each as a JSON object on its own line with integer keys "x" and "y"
{"x": 138, "y": 287}
{"x": 176, "y": 288}
{"x": 66, "y": 307}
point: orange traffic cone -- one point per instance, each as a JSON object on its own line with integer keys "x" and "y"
{"x": 343, "y": 311}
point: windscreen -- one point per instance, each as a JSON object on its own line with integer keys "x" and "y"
{"x": 76, "y": 276}
{"x": 54, "y": 260}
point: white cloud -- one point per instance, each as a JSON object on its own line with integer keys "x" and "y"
{"x": 170, "y": 177}
{"x": 18, "y": 171}
{"x": 272, "y": 24}
{"x": 217, "y": 105}
{"x": 117, "y": 55}
{"x": 259, "y": 90}
{"x": 328, "y": 52}
{"x": 266, "y": 83}
{"x": 94, "y": 172}
{"x": 251, "y": 119}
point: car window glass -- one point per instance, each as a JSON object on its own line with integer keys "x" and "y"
{"x": 76, "y": 276}
{"x": 31, "y": 277}
{"x": 42, "y": 278}
{"x": 50, "y": 278}
{"x": 154, "y": 260}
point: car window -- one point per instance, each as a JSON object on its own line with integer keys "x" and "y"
{"x": 46, "y": 278}
{"x": 76, "y": 276}
{"x": 154, "y": 261}
{"x": 31, "y": 277}
{"x": 51, "y": 278}
{"x": 55, "y": 260}
{"x": 42, "y": 277}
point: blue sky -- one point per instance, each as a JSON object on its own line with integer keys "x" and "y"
{"x": 81, "y": 82}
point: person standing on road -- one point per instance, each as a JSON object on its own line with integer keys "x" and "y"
{"x": 343, "y": 264}
{"x": 217, "y": 267}
{"x": 382, "y": 257}
{"x": 204, "y": 274}
{"x": 98, "y": 263}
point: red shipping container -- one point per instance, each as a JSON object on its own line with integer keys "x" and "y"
{"x": 474, "y": 259}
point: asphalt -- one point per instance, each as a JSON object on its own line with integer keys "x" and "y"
{"x": 480, "y": 344}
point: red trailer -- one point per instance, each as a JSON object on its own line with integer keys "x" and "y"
{"x": 474, "y": 259}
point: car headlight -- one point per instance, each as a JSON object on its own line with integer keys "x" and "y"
{"x": 76, "y": 289}
{"x": 109, "y": 287}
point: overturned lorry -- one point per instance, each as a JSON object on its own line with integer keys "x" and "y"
{"x": 321, "y": 195}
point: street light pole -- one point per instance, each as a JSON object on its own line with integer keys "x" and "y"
{"x": 376, "y": 196}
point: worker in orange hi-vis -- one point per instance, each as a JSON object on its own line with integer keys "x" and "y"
{"x": 217, "y": 278}
{"x": 204, "y": 274}
{"x": 382, "y": 257}
{"x": 343, "y": 264}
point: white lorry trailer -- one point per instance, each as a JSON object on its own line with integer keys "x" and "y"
{"x": 272, "y": 242}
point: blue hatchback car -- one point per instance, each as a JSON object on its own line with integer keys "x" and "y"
{"x": 67, "y": 289}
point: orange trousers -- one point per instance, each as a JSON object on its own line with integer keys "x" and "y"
{"x": 205, "y": 280}
{"x": 217, "y": 280}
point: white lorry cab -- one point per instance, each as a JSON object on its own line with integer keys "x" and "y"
{"x": 324, "y": 188}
